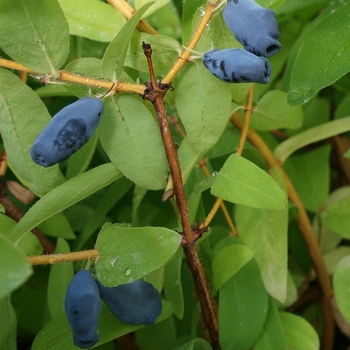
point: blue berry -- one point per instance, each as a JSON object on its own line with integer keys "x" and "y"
{"x": 237, "y": 66}
{"x": 83, "y": 308}
{"x": 255, "y": 27}
{"x": 133, "y": 303}
{"x": 67, "y": 131}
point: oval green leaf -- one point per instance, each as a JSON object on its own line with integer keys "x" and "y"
{"x": 341, "y": 283}
{"x": 322, "y": 55}
{"x": 129, "y": 253}
{"x": 299, "y": 333}
{"x": 131, "y": 138}
{"x": 62, "y": 197}
{"x": 34, "y": 35}
{"x": 92, "y": 19}
{"x": 14, "y": 267}
{"x": 242, "y": 182}
{"x": 20, "y": 124}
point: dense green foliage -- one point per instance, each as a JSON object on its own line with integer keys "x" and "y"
{"x": 108, "y": 195}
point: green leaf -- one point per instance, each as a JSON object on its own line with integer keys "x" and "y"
{"x": 172, "y": 284}
{"x": 333, "y": 257}
{"x": 204, "y": 105}
{"x": 273, "y": 112}
{"x": 310, "y": 175}
{"x": 35, "y": 36}
{"x": 155, "y": 5}
{"x": 8, "y": 323}
{"x": 14, "y": 267}
{"x": 347, "y": 153}
{"x": 57, "y": 335}
{"x": 92, "y": 19}
{"x": 265, "y": 232}
{"x": 242, "y": 182}
{"x": 336, "y": 217}
{"x": 30, "y": 245}
{"x": 272, "y": 336}
{"x": 20, "y": 124}
{"x": 114, "y": 57}
{"x": 243, "y": 304}
{"x": 52, "y": 90}
{"x": 57, "y": 226}
{"x": 59, "y": 279}
{"x": 196, "y": 344}
{"x": 131, "y": 138}
{"x": 341, "y": 284}
{"x": 318, "y": 133}
{"x": 299, "y": 333}
{"x": 322, "y": 55}
{"x": 113, "y": 195}
{"x": 228, "y": 261}
{"x": 165, "y": 52}
{"x": 129, "y": 253}
{"x": 62, "y": 197}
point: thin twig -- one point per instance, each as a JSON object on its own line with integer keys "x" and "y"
{"x": 50, "y": 259}
{"x": 248, "y": 113}
{"x": 79, "y": 79}
{"x": 127, "y": 11}
{"x": 183, "y": 59}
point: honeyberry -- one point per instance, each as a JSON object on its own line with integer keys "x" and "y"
{"x": 83, "y": 308}
{"x": 67, "y": 131}
{"x": 133, "y": 303}
{"x": 237, "y": 66}
{"x": 255, "y": 27}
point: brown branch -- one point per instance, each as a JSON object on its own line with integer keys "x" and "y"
{"x": 16, "y": 214}
{"x": 155, "y": 94}
{"x": 306, "y": 231}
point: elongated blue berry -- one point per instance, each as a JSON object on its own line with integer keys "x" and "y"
{"x": 83, "y": 308}
{"x": 237, "y": 66}
{"x": 255, "y": 27}
{"x": 67, "y": 131}
{"x": 133, "y": 303}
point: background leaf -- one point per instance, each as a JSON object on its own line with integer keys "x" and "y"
{"x": 92, "y": 19}
{"x": 341, "y": 281}
{"x": 114, "y": 57}
{"x": 14, "y": 267}
{"x": 228, "y": 261}
{"x": 273, "y": 112}
{"x": 35, "y": 36}
{"x": 64, "y": 196}
{"x": 265, "y": 232}
{"x": 59, "y": 279}
{"x": 242, "y": 308}
{"x": 299, "y": 333}
{"x": 206, "y": 110}
{"x": 131, "y": 138}
{"x": 20, "y": 124}
{"x": 317, "y": 133}
{"x": 9, "y": 323}
{"x": 321, "y": 56}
